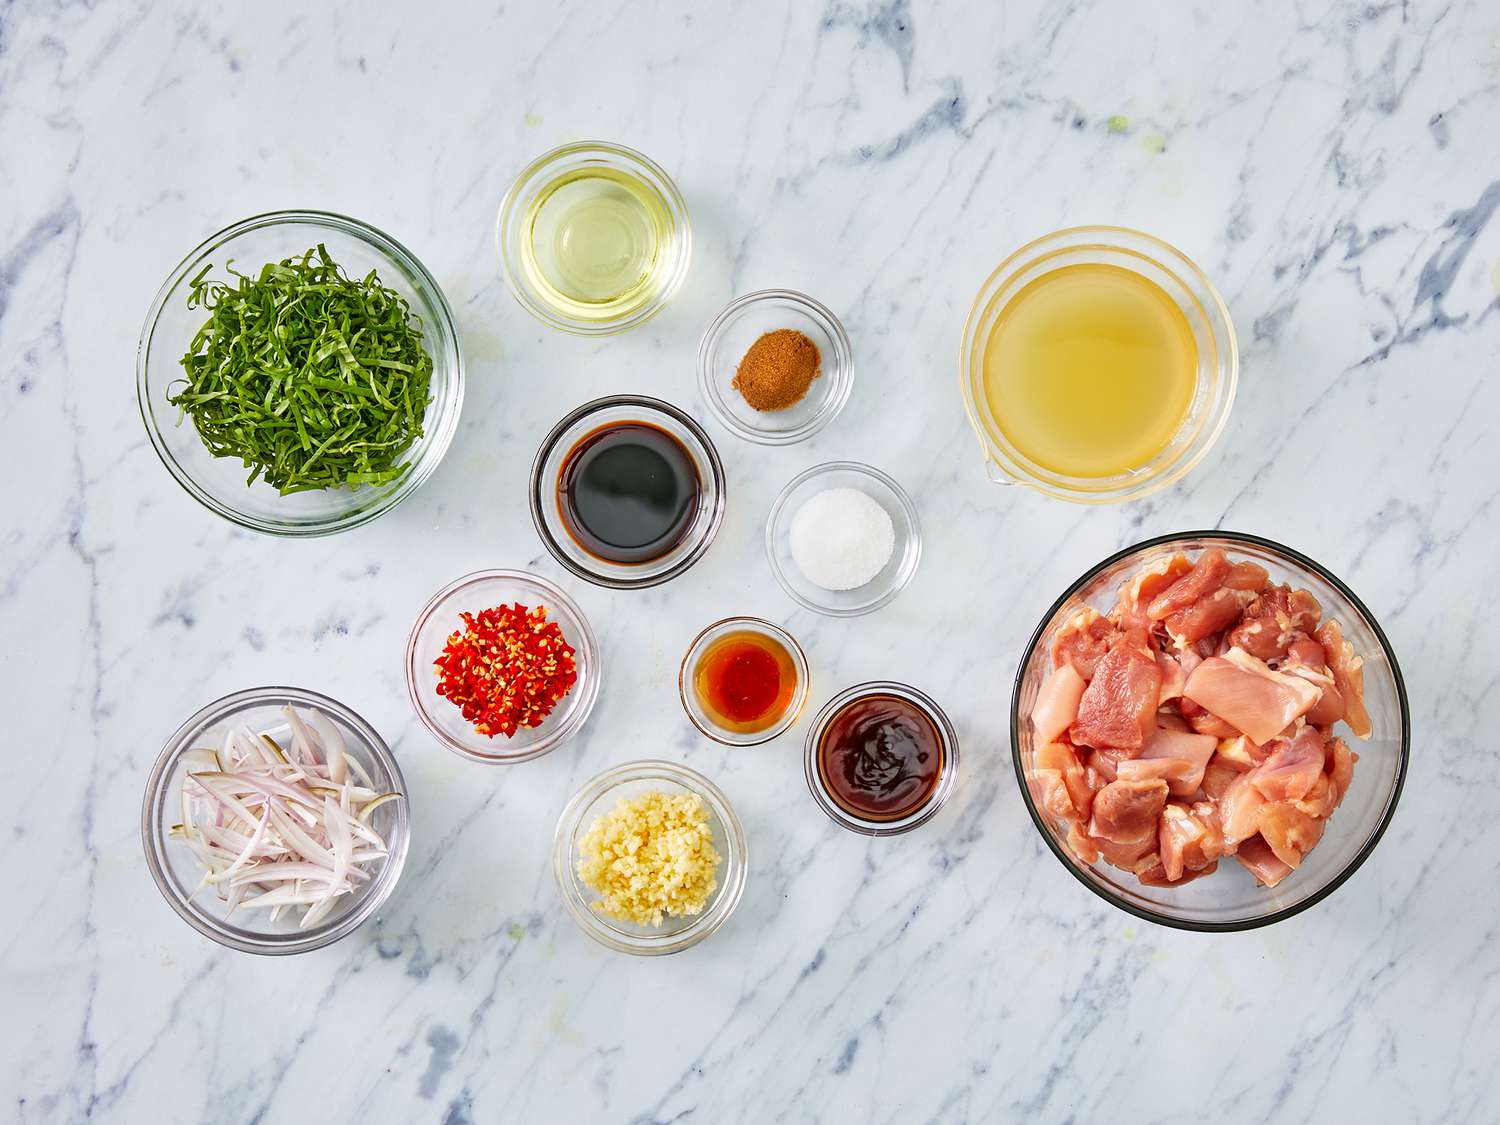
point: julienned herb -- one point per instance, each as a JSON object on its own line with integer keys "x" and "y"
{"x": 312, "y": 379}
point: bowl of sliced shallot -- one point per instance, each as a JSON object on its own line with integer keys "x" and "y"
{"x": 275, "y": 821}
{"x": 1210, "y": 731}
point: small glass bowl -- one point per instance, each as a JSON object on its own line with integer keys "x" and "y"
{"x": 675, "y": 249}
{"x": 700, "y": 716}
{"x": 940, "y": 793}
{"x": 598, "y": 797}
{"x": 729, "y": 337}
{"x": 218, "y": 483}
{"x": 1183, "y": 282}
{"x": 439, "y": 619}
{"x": 1229, "y": 899}
{"x": 175, "y": 869}
{"x": 884, "y": 586}
{"x": 546, "y": 511}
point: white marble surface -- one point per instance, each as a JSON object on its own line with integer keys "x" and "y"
{"x": 1331, "y": 165}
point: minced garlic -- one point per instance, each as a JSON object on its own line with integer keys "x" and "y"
{"x": 650, "y": 856}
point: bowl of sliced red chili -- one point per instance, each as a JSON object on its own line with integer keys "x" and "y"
{"x": 502, "y": 666}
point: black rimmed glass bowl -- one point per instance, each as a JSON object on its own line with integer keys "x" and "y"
{"x": 1230, "y": 899}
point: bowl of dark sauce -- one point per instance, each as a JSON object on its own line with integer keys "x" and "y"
{"x": 627, "y": 491}
{"x": 881, "y": 758}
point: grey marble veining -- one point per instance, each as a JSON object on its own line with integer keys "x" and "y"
{"x": 1333, "y": 166}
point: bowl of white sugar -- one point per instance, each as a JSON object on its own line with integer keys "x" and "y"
{"x": 843, "y": 539}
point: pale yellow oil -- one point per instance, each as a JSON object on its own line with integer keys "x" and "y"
{"x": 593, "y": 240}
{"x": 1090, "y": 370}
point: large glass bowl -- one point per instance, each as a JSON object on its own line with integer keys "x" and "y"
{"x": 1230, "y": 899}
{"x": 599, "y": 796}
{"x": 175, "y": 869}
{"x": 439, "y": 619}
{"x": 219, "y": 482}
{"x": 1183, "y": 282}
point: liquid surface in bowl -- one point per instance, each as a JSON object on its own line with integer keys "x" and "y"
{"x": 880, "y": 758}
{"x": 1090, "y": 370}
{"x": 592, "y": 240}
{"x": 628, "y": 492}
{"x": 745, "y": 681}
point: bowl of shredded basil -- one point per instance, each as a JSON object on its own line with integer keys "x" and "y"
{"x": 299, "y": 373}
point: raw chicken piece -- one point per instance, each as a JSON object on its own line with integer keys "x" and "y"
{"x": 1320, "y": 800}
{"x": 1147, "y": 769}
{"x": 1184, "y": 841}
{"x": 1256, "y": 857}
{"x": 1140, "y": 590}
{"x": 1207, "y": 616}
{"x": 1124, "y": 821}
{"x": 1348, "y": 675}
{"x": 1243, "y": 692}
{"x": 1083, "y": 640}
{"x": 1216, "y": 779}
{"x": 1169, "y": 718}
{"x": 1340, "y": 767}
{"x": 1207, "y": 575}
{"x": 1156, "y": 875}
{"x": 1293, "y": 767}
{"x": 1193, "y": 750}
{"x": 1175, "y": 669}
{"x": 1273, "y": 620}
{"x": 1103, "y": 765}
{"x": 1056, "y": 756}
{"x": 1051, "y": 795}
{"x": 1080, "y": 844}
{"x": 1240, "y": 754}
{"x": 1057, "y": 703}
{"x": 1290, "y": 832}
{"x": 1118, "y": 708}
{"x": 1202, "y": 722}
{"x": 1239, "y": 811}
{"x": 1246, "y": 575}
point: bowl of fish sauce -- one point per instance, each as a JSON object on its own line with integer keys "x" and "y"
{"x": 881, "y": 758}
{"x": 743, "y": 681}
{"x": 627, "y": 491}
{"x": 1098, "y": 365}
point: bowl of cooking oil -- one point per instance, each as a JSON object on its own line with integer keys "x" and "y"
{"x": 1098, "y": 365}
{"x": 594, "y": 238}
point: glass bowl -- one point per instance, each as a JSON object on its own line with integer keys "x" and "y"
{"x": 439, "y": 619}
{"x": 1230, "y": 899}
{"x": 729, "y": 337}
{"x": 674, "y": 250}
{"x": 881, "y": 589}
{"x": 546, "y": 511}
{"x": 700, "y": 716}
{"x": 219, "y": 482}
{"x": 940, "y": 794}
{"x": 176, "y": 871}
{"x": 597, "y": 798}
{"x": 1183, "y": 282}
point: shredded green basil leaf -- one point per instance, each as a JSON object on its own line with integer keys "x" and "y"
{"x": 313, "y": 379}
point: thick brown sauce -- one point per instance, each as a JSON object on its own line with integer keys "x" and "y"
{"x": 880, "y": 758}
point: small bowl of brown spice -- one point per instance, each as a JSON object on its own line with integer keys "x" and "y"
{"x": 775, "y": 366}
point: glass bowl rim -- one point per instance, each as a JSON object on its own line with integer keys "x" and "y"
{"x": 449, "y": 409}
{"x": 1404, "y": 756}
{"x": 161, "y": 772}
{"x": 941, "y": 792}
{"x": 1122, "y": 492}
{"x": 570, "y": 821}
{"x": 659, "y": 178}
{"x": 588, "y": 680}
{"x": 800, "y": 696}
{"x": 914, "y": 543}
{"x": 717, "y": 478}
{"x": 842, "y": 374}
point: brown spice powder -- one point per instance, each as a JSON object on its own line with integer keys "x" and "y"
{"x": 778, "y": 369}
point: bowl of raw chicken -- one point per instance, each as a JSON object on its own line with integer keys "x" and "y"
{"x": 1210, "y": 731}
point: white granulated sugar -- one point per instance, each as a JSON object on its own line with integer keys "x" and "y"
{"x": 841, "y": 538}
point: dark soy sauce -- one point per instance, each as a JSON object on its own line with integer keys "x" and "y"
{"x": 628, "y": 492}
{"x": 880, "y": 758}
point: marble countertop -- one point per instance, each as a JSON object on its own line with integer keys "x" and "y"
{"x": 1331, "y": 165}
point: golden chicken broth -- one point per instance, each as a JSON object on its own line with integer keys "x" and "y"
{"x": 1090, "y": 370}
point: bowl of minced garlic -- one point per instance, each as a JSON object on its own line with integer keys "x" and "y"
{"x": 650, "y": 858}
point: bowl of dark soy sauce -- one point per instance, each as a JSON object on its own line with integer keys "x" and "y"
{"x": 627, "y": 491}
